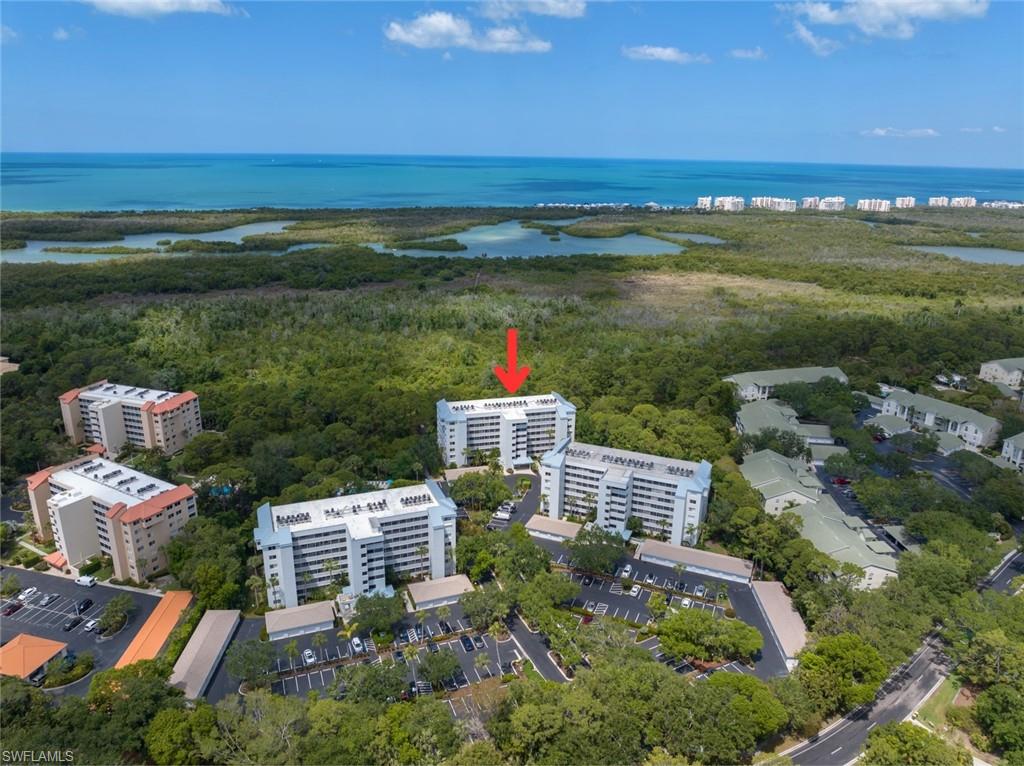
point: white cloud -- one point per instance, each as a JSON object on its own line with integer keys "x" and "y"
{"x": 145, "y": 9}
{"x": 7, "y": 35}
{"x": 60, "y": 34}
{"x": 752, "y": 54}
{"x": 659, "y": 53}
{"x": 820, "y": 46}
{"x": 897, "y": 19}
{"x": 997, "y": 129}
{"x": 901, "y": 133}
{"x": 440, "y": 29}
{"x": 971, "y": 130}
{"x": 499, "y": 10}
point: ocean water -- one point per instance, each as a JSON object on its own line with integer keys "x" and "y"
{"x": 204, "y": 181}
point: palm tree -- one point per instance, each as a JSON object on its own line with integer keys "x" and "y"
{"x": 257, "y": 586}
{"x": 443, "y": 612}
{"x": 273, "y": 582}
{"x": 723, "y": 591}
{"x": 482, "y": 662}
{"x": 543, "y": 502}
{"x": 495, "y": 632}
{"x": 291, "y": 650}
{"x": 679, "y": 569}
{"x": 319, "y": 641}
{"x": 411, "y": 655}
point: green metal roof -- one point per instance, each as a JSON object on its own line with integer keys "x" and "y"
{"x": 825, "y": 525}
{"x": 946, "y": 410}
{"x": 789, "y": 375}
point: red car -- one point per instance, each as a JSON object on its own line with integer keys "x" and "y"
{"x": 11, "y": 609}
{"x": 840, "y": 480}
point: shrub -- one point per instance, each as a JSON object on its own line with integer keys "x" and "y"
{"x": 65, "y": 671}
{"x": 42, "y": 566}
{"x": 29, "y": 559}
{"x": 730, "y": 612}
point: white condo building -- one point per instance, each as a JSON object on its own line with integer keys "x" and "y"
{"x": 963, "y": 202}
{"x": 810, "y": 203}
{"x": 874, "y": 205}
{"x": 778, "y": 204}
{"x": 668, "y": 496}
{"x": 729, "y": 204}
{"x": 309, "y": 545}
{"x": 703, "y": 203}
{"x": 832, "y": 204}
{"x": 938, "y": 202}
{"x": 906, "y": 202}
{"x": 520, "y": 428}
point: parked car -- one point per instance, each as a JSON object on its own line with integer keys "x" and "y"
{"x": 357, "y": 645}
{"x": 590, "y": 607}
{"x": 48, "y": 599}
{"x": 399, "y": 658}
{"x": 506, "y": 668}
{"x": 91, "y": 626}
{"x": 419, "y": 631}
{"x": 26, "y": 594}
{"x": 699, "y": 591}
{"x": 84, "y": 605}
{"x": 670, "y": 584}
{"x": 432, "y": 647}
{"x": 467, "y": 643}
{"x": 687, "y": 603}
{"x": 307, "y": 656}
{"x": 635, "y": 591}
{"x": 11, "y": 608}
{"x": 478, "y": 642}
{"x": 71, "y": 623}
{"x": 502, "y": 515}
{"x": 588, "y": 581}
{"x": 446, "y": 627}
{"x": 86, "y": 580}
{"x": 450, "y": 685}
{"x": 627, "y": 570}
{"x": 649, "y": 580}
{"x": 839, "y": 480}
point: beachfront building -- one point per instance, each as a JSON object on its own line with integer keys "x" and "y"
{"x": 113, "y": 414}
{"x": 905, "y": 202}
{"x": 1013, "y": 451}
{"x": 703, "y": 203}
{"x": 874, "y": 205}
{"x": 1009, "y": 372}
{"x": 783, "y": 482}
{"x": 94, "y": 506}
{"x": 963, "y": 202}
{"x": 761, "y": 384}
{"x": 517, "y": 429}
{"x": 312, "y": 544}
{"x": 810, "y": 203}
{"x": 938, "y": 202}
{"x": 666, "y": 496}
{"x": 832, "y": 204}
{"x": 973, "y": 428}
{"x": 764, "y": 414}
{"x": 729, "y": 204}
{"x": 778, "y": 204}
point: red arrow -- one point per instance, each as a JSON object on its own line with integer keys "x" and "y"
{"x": 512, "y": 376}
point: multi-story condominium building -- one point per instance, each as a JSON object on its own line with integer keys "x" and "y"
{"x": 1013, "y": 450}
{"x": 668, "y": 497}
{"x": 832, "y": 204}
{"x": 112, "y": 415}
{"x": 963, "y": 202}
{"x": 763, "y": 414}
{"x": 783, "y": 482}
{"x": 729, "y": 204}
{"x": 760, "y": 384}
{"x": 95, "y": 506}
{"x": 874, "y": 205}
{"x": 906, "y": 202}
{"x": 703, "y": 203}
{"x": 973, "y": 428}
{"x": 312, "y": 544}
{"x": 938, "y": 202}
{"x": 778, "y": 204}
{"x": 1009, "y": 372}
{"x": 519, "y": 428}
{"x": 810, "y": 203}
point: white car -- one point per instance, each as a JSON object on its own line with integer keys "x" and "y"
{"x": 628, "y": 570}
{"x": 91, "y": 626}
{"x": 634, "y": 591}
{"x": 307, "y": 657}
{"x": 87, "y": 580}
{"x": 649, "y": 580}
{"x": 357, "y": 645}
{"x": 687, "y": 603}
{"x": 28, "y": 593}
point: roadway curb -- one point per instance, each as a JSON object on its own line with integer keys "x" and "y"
{"x": 928, "y": 696}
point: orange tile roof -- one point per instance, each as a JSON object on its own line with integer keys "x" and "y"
{"x": 170, "y": 404}
{"x": 96, "y": 449}
{"x": 151, "y": 507}
{"x": 38, "y": 478}
{"x": 157, "y": 629}
{"x": 69, "y": 396}
{"x": 55, "y": 559}
{"x": 24, "y": 654}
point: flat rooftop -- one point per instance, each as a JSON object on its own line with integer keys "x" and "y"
{"x": 496, "y": 405}
{"x": 787, "y": 624}
{"x": 443, "y": 587}
{"x": 633, "y": 461}
{"x": 693, "y": 557}
{"x": 109, "y": 481}
{"x": 360, "y": 510}
{"x": 558, "y": 527}
{"x": 296, "y": 617}
{"x": 203, "y": 651}
{"x": 132, "y": 394}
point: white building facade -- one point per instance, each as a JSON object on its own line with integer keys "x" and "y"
{"x": 963, "y": 202}
{"x": 668, "y": 497}
{"x": 972, "y": 427}
{"x": 810, "y": 203}
{"x": 938, "y": 202}
{"x": 703, "y": 203}
{"x": 905, "y": 202}
{"x": 729, "y": 204}
{"x": 874, "y": 205}
{"x": 1009, "y": 372}
{"x": 832, "y": 204}
{"x": 778, "y": 204}
{"x": 519, "y": 428}
{"x": 312, "y": 544}
{"x": 1013, "y": 451}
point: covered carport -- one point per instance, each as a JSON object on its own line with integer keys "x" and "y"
{"x": 299, "y": 620}
{"x": 696, "y": 561}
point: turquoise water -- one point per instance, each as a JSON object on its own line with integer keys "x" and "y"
{"x": 35, "y": 249}
{"x": 200, "y": 181}
{"x": 978, "y": 254}
{"x": 511, "y": 240}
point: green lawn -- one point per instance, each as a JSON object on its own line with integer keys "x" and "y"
{"x": 933, "y": 711}
{"x": 531, "y": 672}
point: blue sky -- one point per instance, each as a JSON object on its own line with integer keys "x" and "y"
{"x": 914, "y": 82}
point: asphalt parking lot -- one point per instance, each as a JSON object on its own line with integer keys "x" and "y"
{"x": 48, "y": 621}
{"x": 609, "y": 599}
